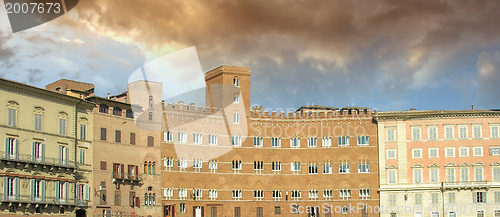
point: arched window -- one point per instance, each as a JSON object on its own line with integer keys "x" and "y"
{"x": 145, "y": 167}
{"x": 236, "y": 82}
{"x": 129, "y": 114}
{"x": 103, "y": 108}
{"x": 117, "y": 111}
{"x": 153, "y": 199}
{"x": 151, "y": 141}
{"x": 150, "y": 116}
{"x": 146, "y": 199}
{"x": 153, "y": 168}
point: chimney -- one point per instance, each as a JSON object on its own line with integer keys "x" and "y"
{"x": 413, "y": 109}
{"x": 473, "y": 107}
{"x": 108, "y": 95}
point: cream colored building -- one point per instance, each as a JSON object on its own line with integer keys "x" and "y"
{"x": 439, "y": 163}
{"x": 45, "y": 160}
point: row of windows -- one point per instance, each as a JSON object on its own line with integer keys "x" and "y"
{"x": 132, "y": 170}
{"x": 213, "y": 194}
{"x": 38, "y": 190}
{"x": 258, "y": 166}
{"x": 118, "y": 137}
{"x": 453, "y": 174}
{"x": 450, "y": 197}
{"x": 182, "y": 138}
{"x": 449, "y": 132}
{"x": 12, "y": 146}
{"x": 38, "y": 120}
{"x": 116, "y": 111}
{"x": 477, "y": 151}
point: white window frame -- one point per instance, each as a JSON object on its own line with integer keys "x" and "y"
{"x": 212, "y": 140}
{"x": 434, "y": 175}
{"x": 344, "y": 167}
{"x": 494, "y": 131}
{"x": 418, "y": 176}
{"x": 345, "y": 194}
{"x": 389, "y": 155}
{"x": 475, "y": 133}
{"x": 295, "y": 142}
{"x": 326, "y": 141}
{"x": 477, "y": 151}
{"x": 461, "y": 133}
{"x": 312, "y": 142}
{"x": 461, "y": 151}
{"x": 449, "y": 148}
{"x": 276, "y": 142}
{"x": 343, "y": 141}
{"x": 433, "y": 149}
{"x": 432, "y": 132}
{"x": 236, "y": 194}
{"x": 416, "y": 153}
{"x": 363, "y": 140}
{"x": 390, "y": 133}
{"x": 416, "y": 133}
{"x": 449, "y": 129}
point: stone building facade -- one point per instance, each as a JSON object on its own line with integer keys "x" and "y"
{"x": 439, "y": 163}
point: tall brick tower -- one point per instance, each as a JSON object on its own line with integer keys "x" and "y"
{"x": 227, "y": 85}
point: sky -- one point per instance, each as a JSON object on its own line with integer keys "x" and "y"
{"x": 386, "y": 55}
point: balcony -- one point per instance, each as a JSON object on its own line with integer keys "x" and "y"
{"x": 126, "y": 178}
{"x": 21, "y": 160}
{"x": 466, "y": 185}
{"x": 29, "y": 199}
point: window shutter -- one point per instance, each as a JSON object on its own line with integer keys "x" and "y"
{"x": 66, "y": 189}
{"x": 202, "y": 211}
{"x": 42, "y": 189}
{"x": 32, "y": 189}
{"x": 78, "y": 192}
{"x": 42, "y": 152}
{"x": 5, "y": 187}
{"x": 60, "y": 154}
{"x": 17, "y": 148}
{"x": 87, "y": 192}
{"x": 484, "y": 197}
{"x": 6, "y": 147}
{"x": 16, "y": 180}
{"x": 474, "y": 197}
{"x": 57, "y": 189}
{"x": 66, "y": 155}
{"x": 33, "y": 151}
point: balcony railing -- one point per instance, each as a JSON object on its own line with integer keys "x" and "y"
{"x": 466, "y": 184}
{"x": 126, "y": 177}
{"x": 43, "y": 200}
{"x": 27, "y": 158}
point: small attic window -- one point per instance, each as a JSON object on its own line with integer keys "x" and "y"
{"x": 58, "y": 89}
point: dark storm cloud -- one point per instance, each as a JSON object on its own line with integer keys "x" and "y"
{"x": 352, "y": 47}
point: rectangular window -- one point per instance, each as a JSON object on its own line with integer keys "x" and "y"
{"x": 118, "y": 200}
{"x": 132, "y": 138}
{"x": 463, "y": 151}
{"x": 496, "y": 174}
{"x": 328, "y": 194}
{"x": 237, "y": 212}
{"x": 212, "y": 165}
{"x": 182, "y": 137}
{"x": 462, "y": 131}
{"x": 168, "y": 136}
{"x": 448, "y": 132}
{"x": 295, "y": 166}
{"x": 450, "y": 174}
{"x": 82, "y": 157}
{"x": 258, "y": 166}
{"x": 295, "y": 142}
{"x": 197, "y": 138}
{"x": 452, "y": 214}
{"x": 236, "y": 99}
{"x": 38, "y": 122}
{"x": 296, "y": 195}
{"x": 212, "y": 140}
{"x": 260, "y": 212}
{"x": 276, "y": 166}
{"x": 494, "y": 150}
{"x": 478, "y": 174}
{"x": 416, "y": 133}
{"x": 434, "y": 214}
{"x": 236, "y": 194}
{"x": 416, "y": 153}
{"x": 391, "y": 134}
{"x": 451, "y": 197}
{"x": 391, "y": 153}
{"x": 494, "y": 131}
{"x": 236, "y": 141}
{"x": 434, "y": 198}
{"x": 38, "y": 152}
{"x": 118, "y": 136}
{"x": 497, "y": 196}
{"x": 236, "y": 165}
{"x": 12, "y": 148}
{"x": 275, "y": 142}
{"x": 182, "y": 194}
{"x": 277, "y": 195}
{"x": 418, "y": 199}
{"x": 434, "y": 175}
{"x": 326, "y": 142}
{"x": 103, "y": 165}
{"x": 327, "y": 168}
{"x": 363, "y": 140}
{"x": 480, "y": 213}
{"x": 364, "y": 194}
{"x": 63, "y": 155}
{"x": 62, "y": 127}
{"x": 213, "y": 194}
{"x": 450, "y": 152}
{"x": 12, "y": 119}
{"x": 363, "y": 167}
{"x": 258, "y": 142}
{"x": 313, "y": 194}
{"x": 417, "y": 175}
{"x": 182, "y": 208}
{"x": 479, "y": 197}
{"x": 277, "y": 210}
{"x": 476, "y": 131}
{"x": 258, "y": 194}
{"x": 312, "y": 142}
{"x": 433, "y": 152}
{"x": 433, "y": 132}
{"x": 312, "y": 168}
{"x": 343, "y": 140}
{"x": 344, "y": 167}
{"x": 392, "y": 199}
{"x": 236, "y": 118}
{"x": 464, "y": 174}
{"x": 83, "y": 132}
{"x": 391, "y": 177}
{"x": 103, "y": 134}
{"x": 477, "y": 151}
